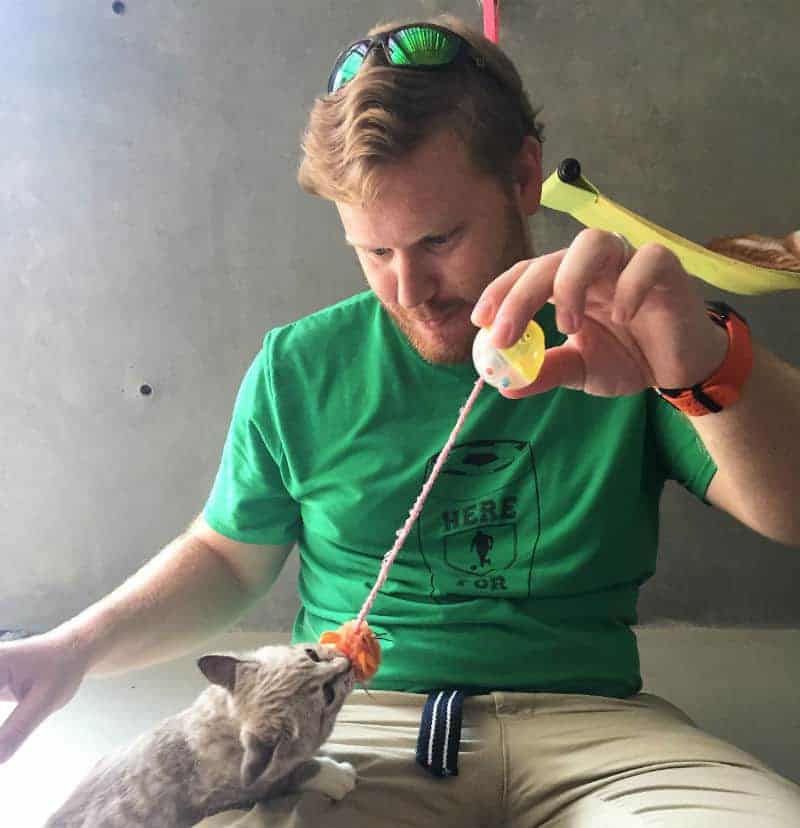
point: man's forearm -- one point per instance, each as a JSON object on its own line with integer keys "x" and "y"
{"x": 754, "y": 443}
{"x": 180, "y": 598}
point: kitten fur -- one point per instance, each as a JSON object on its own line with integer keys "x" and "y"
{"x": 251, "y": 735}
{"x": 764, "y": 251}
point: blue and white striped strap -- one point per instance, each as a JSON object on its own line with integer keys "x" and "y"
{"x": 440, "y": 732}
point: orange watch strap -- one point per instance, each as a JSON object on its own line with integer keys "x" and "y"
{"x": 724, "y": 386}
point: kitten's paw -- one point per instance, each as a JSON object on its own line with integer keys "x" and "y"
{"x": 326, "y": 776}
{"x": 336, "y": 779}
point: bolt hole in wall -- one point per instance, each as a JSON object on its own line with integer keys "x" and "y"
{"x": 118, "y": 8}
{"x": 145, "y": 390}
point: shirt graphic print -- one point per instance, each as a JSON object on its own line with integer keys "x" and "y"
{"x": 479, "y": 530}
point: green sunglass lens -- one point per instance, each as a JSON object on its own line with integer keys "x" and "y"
{"x": 347, "y": 67}
{"x": 422, "y": 46}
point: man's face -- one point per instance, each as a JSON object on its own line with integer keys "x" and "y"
{"x": 439, "y": 231}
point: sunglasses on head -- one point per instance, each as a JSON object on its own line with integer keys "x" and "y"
{"x": 413, "y": 46}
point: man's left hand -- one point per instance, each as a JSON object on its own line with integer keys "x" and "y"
{"x": 633, "y": 319}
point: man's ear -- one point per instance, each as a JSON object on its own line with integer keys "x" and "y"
{"x": 528, "y": 175}
{"x": 220, "y": 669}
{"x": 256, "y": 759}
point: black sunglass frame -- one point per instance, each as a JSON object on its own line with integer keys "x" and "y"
{"x": 465, "y": 50}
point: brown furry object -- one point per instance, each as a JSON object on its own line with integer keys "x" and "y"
{"x": 764, "y": 251}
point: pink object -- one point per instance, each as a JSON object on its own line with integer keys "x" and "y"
{"x": 402, "y": 534}
{"x": 491, "y": 20}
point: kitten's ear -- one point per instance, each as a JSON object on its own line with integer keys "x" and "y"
{"x": 257, "y": 755}
{"x": 220, "y": 669}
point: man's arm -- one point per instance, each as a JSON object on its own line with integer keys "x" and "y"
{"x": 756, "y": 448}
{"x": 194, "y": 588}
{"x": 636, "y": 319}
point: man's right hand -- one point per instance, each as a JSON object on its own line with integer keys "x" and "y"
{"x": 194, "y": 588}
{"x": 41, "y": 674}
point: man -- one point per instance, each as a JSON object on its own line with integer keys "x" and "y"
{"x": 434, "y": 170}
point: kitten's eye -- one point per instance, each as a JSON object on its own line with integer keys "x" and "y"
{"x": 312, "y": 654}
{"x": 328, "y": 692}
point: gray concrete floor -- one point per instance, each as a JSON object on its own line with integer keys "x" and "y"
{"x": 739, "y": 684}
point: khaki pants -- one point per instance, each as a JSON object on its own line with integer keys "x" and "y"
{"x": 545, "y": 760}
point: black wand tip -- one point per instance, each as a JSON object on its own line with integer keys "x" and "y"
{"x": 569, "y": 170}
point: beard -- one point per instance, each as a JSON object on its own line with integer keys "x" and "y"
{"x": 448, "y": 342}
{"x": 441, "y": 332}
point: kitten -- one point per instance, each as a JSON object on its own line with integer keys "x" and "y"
{"x": 252, "y": 734}
{"x": 765, "y": 251}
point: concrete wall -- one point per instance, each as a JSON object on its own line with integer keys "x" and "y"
{"x": 151, "y": 231}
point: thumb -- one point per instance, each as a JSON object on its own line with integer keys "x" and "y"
{"x": 562, "y": 367}
{"x": 32, "y": 710}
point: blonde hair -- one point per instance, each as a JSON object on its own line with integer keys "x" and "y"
{"x": 384, "y": 113}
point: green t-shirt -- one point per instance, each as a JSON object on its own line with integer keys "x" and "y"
{"x": 523, "y": 570}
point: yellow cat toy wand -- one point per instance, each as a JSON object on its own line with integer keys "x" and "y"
{"x": 567, "y": 191}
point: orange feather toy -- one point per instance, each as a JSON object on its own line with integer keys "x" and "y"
{"x": 359, "y": 644}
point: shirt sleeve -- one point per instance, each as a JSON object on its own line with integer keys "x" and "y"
{"x": 249, "y": 501}
{"x": 680, "y": 448}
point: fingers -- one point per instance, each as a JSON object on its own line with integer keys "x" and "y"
{"x": 593, "y": 254}
{"x": 514, "y": 297}
{"x": 485, "y": 310}
{"x": 625, "y": 278}
{"x": 653, "y": 268}
{"x": 32, "y": 710}
{"x": 599, "y": 277}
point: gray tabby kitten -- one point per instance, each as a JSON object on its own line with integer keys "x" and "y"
{"x": 251, "y": 735}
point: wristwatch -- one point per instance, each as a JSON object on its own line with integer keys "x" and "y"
{"x": 724, "y": 386}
